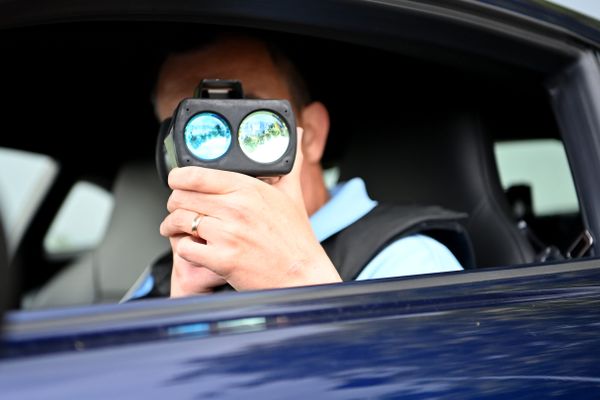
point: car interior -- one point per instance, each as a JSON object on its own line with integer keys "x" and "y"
{"x": 419, "y": 123}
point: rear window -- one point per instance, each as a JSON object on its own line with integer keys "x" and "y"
{"x": 81, "y": 221}
{"x": 542, "y": 165}
{"x": 24, "y": 181}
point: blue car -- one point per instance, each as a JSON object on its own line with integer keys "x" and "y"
{"x": 490, "y": 108}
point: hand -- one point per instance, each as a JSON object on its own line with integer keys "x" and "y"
{"x": 188, "y": 278}
{"x": 256, "y": 235}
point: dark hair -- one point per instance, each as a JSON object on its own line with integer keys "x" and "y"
{"x": 297, "y": 85}
{"x": 300, "y": 94}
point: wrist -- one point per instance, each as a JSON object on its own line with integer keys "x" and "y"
{"x": 177, "y": 291}
{"x": 318, "y": 270}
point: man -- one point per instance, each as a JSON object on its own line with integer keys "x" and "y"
{"x": 230, "y": 228}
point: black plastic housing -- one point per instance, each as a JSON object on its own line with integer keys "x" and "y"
{"x": 233, "y": 111}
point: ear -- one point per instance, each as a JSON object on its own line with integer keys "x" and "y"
{"x": 314, "y": 119}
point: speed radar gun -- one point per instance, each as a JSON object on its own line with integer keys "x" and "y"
{"x": 218, "y": 128}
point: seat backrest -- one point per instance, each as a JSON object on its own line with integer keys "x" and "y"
{"x": 444, "y": 158}
{"x": 132, "y": 241}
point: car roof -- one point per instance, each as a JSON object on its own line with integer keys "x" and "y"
{"x": 314, "y": 17}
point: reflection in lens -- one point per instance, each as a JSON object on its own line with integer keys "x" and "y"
{"x": 207, "y": 136}
{"x": 263, "y": 136}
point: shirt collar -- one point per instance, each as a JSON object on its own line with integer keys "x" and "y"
{"x": 348, "y": 203}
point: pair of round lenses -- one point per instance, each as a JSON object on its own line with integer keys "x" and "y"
{"x": 262, "y": 136}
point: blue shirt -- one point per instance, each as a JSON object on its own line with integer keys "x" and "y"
{"x": 412, "y": 255}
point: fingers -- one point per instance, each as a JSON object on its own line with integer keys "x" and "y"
{"x": 181, "y": 221}
{"x": 299, "y": 154}
{"x": 199, "y": 254}
{"x": 200, "y": 202}
{"x": 190, "y": 278}
{"x": 206, "y": 180}
{"x": 290, "y": 184}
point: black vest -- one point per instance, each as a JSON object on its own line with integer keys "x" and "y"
{"x": 355, "y": 246}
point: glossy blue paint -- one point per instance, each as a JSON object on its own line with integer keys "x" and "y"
{"x": 524, "y": 337}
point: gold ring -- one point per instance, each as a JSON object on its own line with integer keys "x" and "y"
{"x": 195, "y": 223}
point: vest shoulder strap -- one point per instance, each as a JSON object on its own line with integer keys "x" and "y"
{"x": 354, "y": 247}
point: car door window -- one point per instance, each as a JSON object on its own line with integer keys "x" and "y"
{"x": 542, "y": 165}
{"x": 536, "y": 177}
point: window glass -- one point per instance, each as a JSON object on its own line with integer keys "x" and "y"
{"x": 331, "y": 177}
{"x": 542, "y": 165}
{"x": 81, "y": 221}
{"x": 24, "y": 180}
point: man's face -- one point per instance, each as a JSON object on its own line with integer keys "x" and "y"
{"x": 243, "y": 59}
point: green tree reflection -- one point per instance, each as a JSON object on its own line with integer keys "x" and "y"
{"x": 273, "y": 130}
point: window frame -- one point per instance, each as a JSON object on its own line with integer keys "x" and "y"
{"x": 575, "y": 98}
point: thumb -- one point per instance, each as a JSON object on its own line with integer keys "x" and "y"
{"x": 299, "y": 159}
{"x": 290, "y": 184}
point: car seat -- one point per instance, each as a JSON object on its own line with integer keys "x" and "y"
{"x": 132, "y": 241}
{"x": 444, "y": 158}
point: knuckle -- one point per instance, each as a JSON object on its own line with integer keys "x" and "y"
{"x": 195, "y": 177}
{"x": 183, "y": 178}
{"x": 166, "y": 228}
{"x": 230, "y": 238}
{"x": 172, "y": 178}
{"x": 184, "y": 250}
{"x": 192, "y": 176}
{"x": 172, "y": 202}
{"x": 179, "y": 221}
{"x": 233, "y": 206}
{"x": 176, "y": 200}
{"x": 238, "y": 213}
